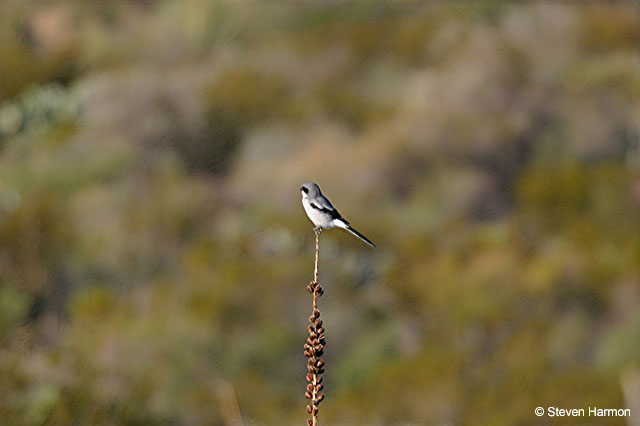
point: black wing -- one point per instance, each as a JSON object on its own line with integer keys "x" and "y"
{"x": 331, "y": 211}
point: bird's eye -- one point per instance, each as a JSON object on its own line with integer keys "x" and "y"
{"x": 303, "y": 189}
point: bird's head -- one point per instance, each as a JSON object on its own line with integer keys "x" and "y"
{"x": 309, "y": 189}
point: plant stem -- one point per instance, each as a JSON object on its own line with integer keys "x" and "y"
{"x": 314, "y": 347}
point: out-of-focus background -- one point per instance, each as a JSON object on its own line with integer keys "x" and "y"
{"x": 154, "y": 253}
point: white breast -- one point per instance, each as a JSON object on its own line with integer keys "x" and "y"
{"x": 318, "y": 218}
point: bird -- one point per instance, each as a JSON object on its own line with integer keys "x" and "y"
{"x": 322, "y": 213}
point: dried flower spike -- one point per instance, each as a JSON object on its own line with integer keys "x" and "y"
{"x": 314, "y": 347}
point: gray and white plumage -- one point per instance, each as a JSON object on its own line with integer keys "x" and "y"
{"x": 322, "y": 213}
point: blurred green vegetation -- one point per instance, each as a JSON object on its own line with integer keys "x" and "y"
{"x": 154, "y": 253}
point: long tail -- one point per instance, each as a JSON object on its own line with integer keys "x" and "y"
{"x": 357, "y": 234}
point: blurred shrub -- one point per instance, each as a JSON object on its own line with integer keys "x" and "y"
{"x": 48, "y": 105}
{"x": 559, "y": 196}
{"x": 342, "y": 103}
{"x": 34, "y": 243}
{"x": 606, "y": 29}
{"x": 240, "y": 98}
{"x": 23, "y": 66}
{"x": 620, "y": 347}
{"x": 371, "y": 31}
{"x": 14, "y": 307}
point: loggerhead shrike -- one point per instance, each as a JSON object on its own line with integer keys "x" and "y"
{"x": 322, "y": 213}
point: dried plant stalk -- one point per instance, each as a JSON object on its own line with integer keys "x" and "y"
{"x": 314, "y": 347}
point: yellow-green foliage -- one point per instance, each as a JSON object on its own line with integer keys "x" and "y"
{"x": 154, "y": 254}
{"x": 239, "y": 98}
